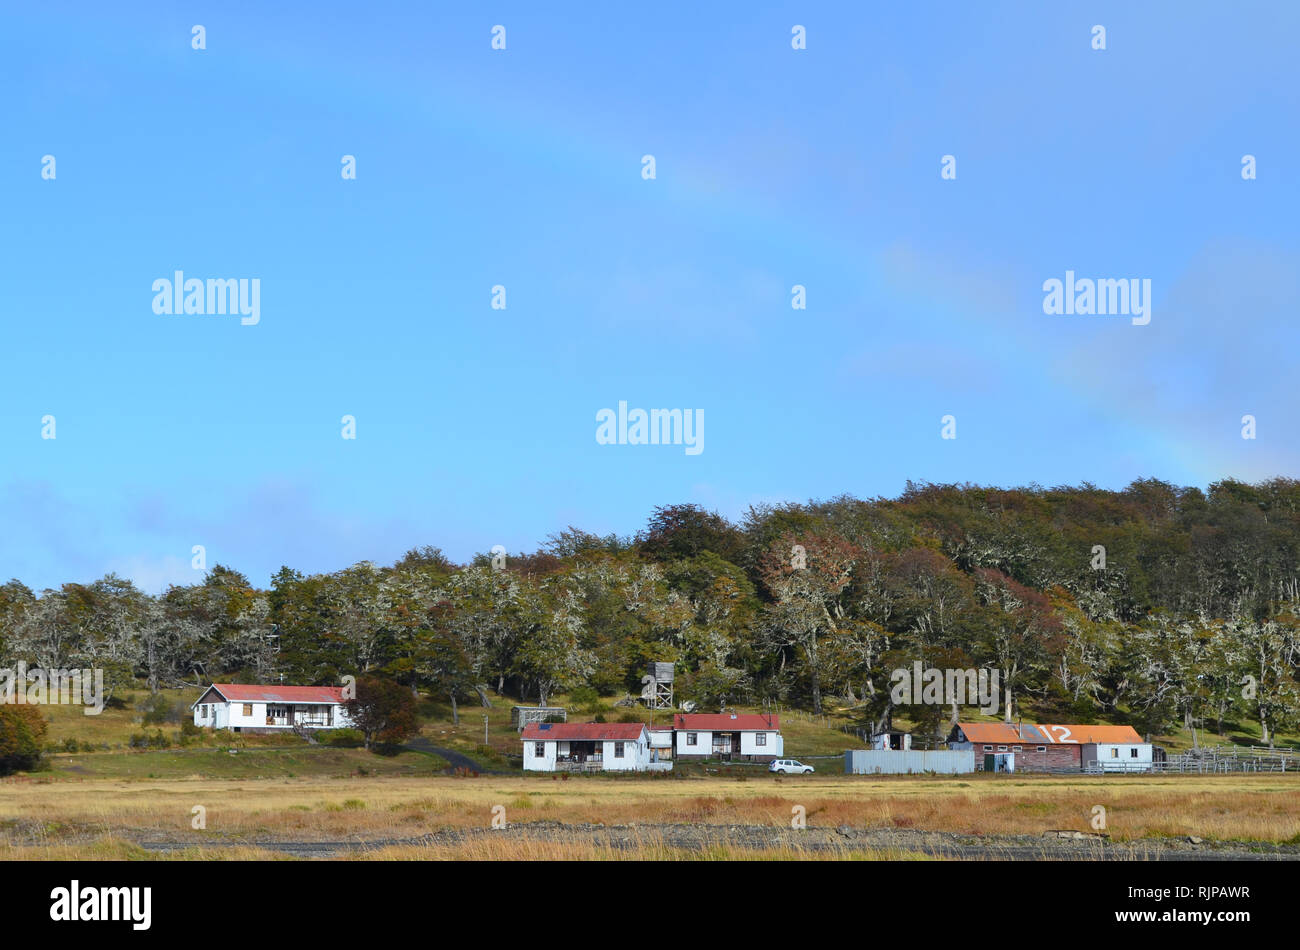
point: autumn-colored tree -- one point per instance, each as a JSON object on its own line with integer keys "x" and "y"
{"x": 808, "y": 577}
{"x": 22, "y": 735}
{"x": 383, "y": 710}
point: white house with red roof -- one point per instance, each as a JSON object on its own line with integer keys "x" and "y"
{"x": 243, "y": 708}
{"x": 589, "y": 747}
{"x": 755, "y": 737}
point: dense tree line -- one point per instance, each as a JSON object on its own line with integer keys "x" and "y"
{"x": 1156, "y": 605}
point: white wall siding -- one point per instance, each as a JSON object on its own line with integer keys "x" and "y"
{"x": 775, "y": 747}
{"x": 636, "y": 755}
{"x": 703, "y": 744}
{"x": 539, "y": 763}
{"x": 1122, "y": 761}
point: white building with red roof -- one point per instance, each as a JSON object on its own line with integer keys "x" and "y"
{"x": 755, "y": 737}
{"x": 589, "y": 747}
{"x": 243, "y": 708}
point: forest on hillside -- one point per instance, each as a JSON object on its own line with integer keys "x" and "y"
{"x": 1156, "y": 605}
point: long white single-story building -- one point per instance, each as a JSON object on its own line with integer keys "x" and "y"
{"x": 243, "y": 708}
{"x": 755, "y": 737}
{"x": 589, "y": 747}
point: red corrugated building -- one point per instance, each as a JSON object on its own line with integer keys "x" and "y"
{"x": 1040, "y": 747}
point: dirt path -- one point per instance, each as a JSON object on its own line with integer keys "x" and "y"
{"x": 455, "y": 760}
{"x": 827, "y": 840}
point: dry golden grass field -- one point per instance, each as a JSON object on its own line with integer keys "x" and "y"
{"x": 99, "y": 818}
{"x": 277, "y": 797}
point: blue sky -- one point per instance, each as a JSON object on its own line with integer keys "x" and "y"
{"x": 522, "y": 168}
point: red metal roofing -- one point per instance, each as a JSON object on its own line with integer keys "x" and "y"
{"x": 1029, "y": 733}
{"x": 567, "y": 731}
{"x": 241, "y": 693}
{"x": 725, "y": 722}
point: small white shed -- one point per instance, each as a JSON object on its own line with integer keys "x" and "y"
{"x": 1117, "y": 756}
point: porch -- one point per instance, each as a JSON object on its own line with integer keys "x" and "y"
{"x": 579, "y": 756}
{"x": 595, "y": 763}
{"x": 308, "y": 715}
{"x": 726, "y": 745}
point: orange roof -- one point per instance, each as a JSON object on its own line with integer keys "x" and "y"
{"x": 993, "y": 732}
{"x": 1115, "y": 734}
{"x": 1027, "y": 732}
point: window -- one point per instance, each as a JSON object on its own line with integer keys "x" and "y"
{"x": 539, "y": 750}
{"x": 1114, "y": 753}
{"x": 760, "y": 738}
{"x": 1132, "y": 753}
{"x": 692, "y": 738}
{"x": 988, "y": 748}
{"x": 1002, "y": 748}
{"x": 1016, "y": 748}
{"x": 248, "y": 709}
{"x": 618, "y": 750}
{"x": 1042, "y": 748}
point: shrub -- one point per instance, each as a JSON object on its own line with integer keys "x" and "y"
{"x": 341, "y": 738}
{"x": 159, "y": 710}
{"x": 142, "y": 740}
{"x": 585, "y": 698}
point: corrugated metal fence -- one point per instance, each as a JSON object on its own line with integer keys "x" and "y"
{"x": 877, "y": 762}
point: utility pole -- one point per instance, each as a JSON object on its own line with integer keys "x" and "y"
{"x": 485, "y": 729}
